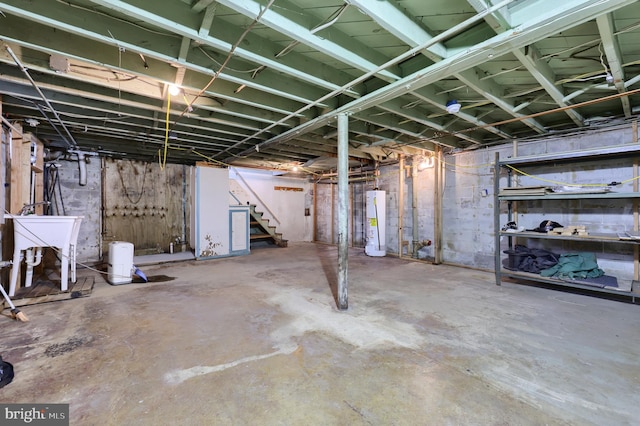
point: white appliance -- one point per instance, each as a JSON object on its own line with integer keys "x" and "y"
{"x": 375, "y": 226}
{"x": 120, "y": 263}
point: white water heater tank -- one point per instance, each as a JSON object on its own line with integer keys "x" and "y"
{"x": 120, "y": 262}
{"x": 375, "y": 226}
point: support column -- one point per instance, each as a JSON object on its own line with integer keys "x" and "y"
{"x": 438, "y": 182}
{"x": 400, "y": 205}
{"x": 343, "y": 210}
{"x": 414, "y": 207}
{"x": 315, "y": 211}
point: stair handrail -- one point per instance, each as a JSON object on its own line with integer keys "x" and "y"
{"x": 236, "y": 198}
{"x": 255, "y": 195}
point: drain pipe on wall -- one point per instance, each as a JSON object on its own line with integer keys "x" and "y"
{"x": 83, "y": 160}
{"x": 82, "y": 164}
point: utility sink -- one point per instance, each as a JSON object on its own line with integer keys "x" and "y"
{"x": 31, "y": 231}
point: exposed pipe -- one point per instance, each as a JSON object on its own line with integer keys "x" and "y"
{"x": 406, "y": 55}
{"x": 400, "y": 205}
{"x": 414, "y": 206}
{"x": 55, "y": 127}
{"x": 183, "y": 236}
{"x": 82, "y": 164}
{"x": 351, "y": 180}
{"x": 73, "y": 143}
{"x": 360, "y": 171}
{"x": 31, "y": 262}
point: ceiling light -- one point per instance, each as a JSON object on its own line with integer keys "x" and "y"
{"x": 453, "y": 106}
{"x": 425, "y": 163}
{"x": 174, "y": 90}
{"x": 609, "y": 78}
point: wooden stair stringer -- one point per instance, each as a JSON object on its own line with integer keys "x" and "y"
{"x": 260, "y": 229}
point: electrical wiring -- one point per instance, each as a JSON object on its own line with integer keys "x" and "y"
{"x": 163, "y": 158}
{"x": 569, "y": 184}
{"x": 97, "y": 12}
{"x": 163, "y": 162}
{"x": 117, "y": 79}
{"x": 250, "y": 71}
{"x": 524, "y": 117}
{"x": 229, "y": 56}
{"x": 333, "y": 18}
{"x": 124, "y": 186}
{"x": 223, "y": 164}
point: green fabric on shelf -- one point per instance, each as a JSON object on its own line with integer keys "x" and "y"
{"x": 575, "y": 265}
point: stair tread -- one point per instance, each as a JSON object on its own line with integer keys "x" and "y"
{"x": 258, "y": 236}
{"x": 257, "y": 222}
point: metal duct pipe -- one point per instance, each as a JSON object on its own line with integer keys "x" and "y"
{"x": 73, "y": 143}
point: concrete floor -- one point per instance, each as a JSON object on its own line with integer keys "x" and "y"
{"x": 257, "y": 340}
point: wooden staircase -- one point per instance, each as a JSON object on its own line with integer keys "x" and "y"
{"x": 261, "y": 231}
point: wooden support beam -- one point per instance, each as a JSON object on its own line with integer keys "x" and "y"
{"x": 16, "y": 172}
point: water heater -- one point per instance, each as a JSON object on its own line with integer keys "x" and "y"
{"x": 375, "y": 226}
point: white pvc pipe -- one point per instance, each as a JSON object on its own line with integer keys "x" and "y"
{"x": 31, "y": 263}
{"x": 82, "y": 164}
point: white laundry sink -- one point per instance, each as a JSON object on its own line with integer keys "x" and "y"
{"x": 31, "y": 231}
{"x": 42, "y": 231}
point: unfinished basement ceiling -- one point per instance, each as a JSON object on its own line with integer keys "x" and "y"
{"x": 261, "y": 82}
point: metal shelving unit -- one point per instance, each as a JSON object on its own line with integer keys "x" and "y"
{"x": 622, "y": 151}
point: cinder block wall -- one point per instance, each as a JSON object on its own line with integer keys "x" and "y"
{"x": 82, "y": 201}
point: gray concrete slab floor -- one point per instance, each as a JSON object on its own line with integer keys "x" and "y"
{"x": 257, "y": 340}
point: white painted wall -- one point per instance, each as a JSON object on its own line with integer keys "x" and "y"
{"x": 284, "y": 209}
{"x": 210, "y": 214}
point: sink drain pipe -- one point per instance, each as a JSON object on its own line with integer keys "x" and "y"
{"x": 31, "y": 261}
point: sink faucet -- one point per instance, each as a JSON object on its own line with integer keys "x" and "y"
{"x": 29, "y": 208}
